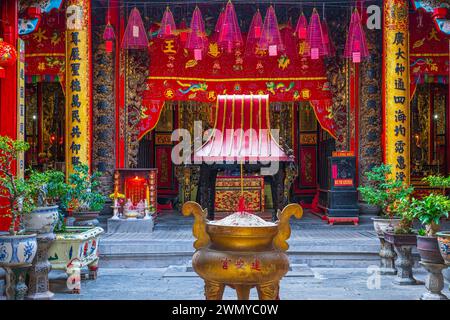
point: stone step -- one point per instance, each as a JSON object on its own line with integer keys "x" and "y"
{"x": 314, "y": 253}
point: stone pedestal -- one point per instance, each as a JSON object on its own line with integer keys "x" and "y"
{"x": 130, "y": 225}
{"x": 16, "y": 288}
{"x": 38, "y": 283}
{"x": 387, "y": 255}
{"x": 404, "y": 264}
{"x": 434, "y": 282}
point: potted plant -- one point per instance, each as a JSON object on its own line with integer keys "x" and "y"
{"x": 429, "y": 211}
{"x": 384, "y": 192}
{"x": 75, "y": 244}
{"x": 443, "y": 238}
{"x": 17, "y": 249}
{"x": 404, "y": 239}
{"x": 46, "y": 189}
{"x": 84, "y": 201}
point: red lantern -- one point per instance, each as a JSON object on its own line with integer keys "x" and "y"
{"x": 302, "y": 27}
{"x": 316, "y": 38}
{"x": 270, "y": 37}
{"x": 8, "y": 56}
{"x": 356, "y": 46}
{"x": 167, "y": 25}
{"x": 254, "y": 33}
{"x": 230, "y": 36}
{"x": 197, "y": 37}
{"x": 109, "y": 37}
{"x": 135, "y": 36}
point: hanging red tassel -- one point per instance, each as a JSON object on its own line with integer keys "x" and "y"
{"x": 356, "y": 45}
{"x": 168, "y": 26}
{"x": 254, "y": 33}
{"x": 135, "y": 36}
{"x": 315, "y": 39}
{"x": 270, "y": 37}
{"x": 230, "y": 36}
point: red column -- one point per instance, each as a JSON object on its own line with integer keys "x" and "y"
{"x": 118, "y": 23}
{"x": 8, "y": 85}
{"x": 448, "y": 116}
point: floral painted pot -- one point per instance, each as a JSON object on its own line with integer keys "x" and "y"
{"x": 444, "y": 245}
{"x": 18, "y": 250}
{"x": 78, "y": 244}
{"x": 382, "y": 225}
{"x": 42, "y": 220}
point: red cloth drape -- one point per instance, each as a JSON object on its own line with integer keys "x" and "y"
{"x": 241, "y": 132}
{"x": 175, "y": 75}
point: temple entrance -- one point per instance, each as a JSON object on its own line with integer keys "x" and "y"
{"x": 429, "y": 137}
{"x": 298, "y": 129}
{"x": 45, "y": 125}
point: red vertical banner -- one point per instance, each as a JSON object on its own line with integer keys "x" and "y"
{"x": 164, "y": 165}
{"x": 308, "y": 168}
{"x": 118, "y": 21}
{"x": 448, "y": 115}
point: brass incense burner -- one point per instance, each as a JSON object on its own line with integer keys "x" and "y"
{"x": 241, "y": 257}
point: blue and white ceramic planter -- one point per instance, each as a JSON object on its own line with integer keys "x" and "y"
{"x": 41, "y": 220}
{"x": 444, "y": 245}
{"x": 16, "y": 251}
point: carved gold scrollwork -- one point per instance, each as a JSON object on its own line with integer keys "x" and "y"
{"x": 284, "y": 229}
{"x": 291, "y": 174}
{"x": 199, "y": 227}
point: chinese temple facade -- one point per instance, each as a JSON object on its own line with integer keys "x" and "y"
{"x": 107, "y": 82}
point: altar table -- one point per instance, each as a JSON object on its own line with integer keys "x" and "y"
{"x": 228, "y": 192}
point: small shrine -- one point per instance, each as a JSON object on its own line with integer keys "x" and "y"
{"x": 134, "y": 201}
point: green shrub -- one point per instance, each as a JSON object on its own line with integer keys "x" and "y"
{"x": 384, "y": 191}
{"x": 84, "y": 192}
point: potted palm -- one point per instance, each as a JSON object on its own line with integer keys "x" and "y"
{"x": 17, "y": 249}
{"x": 384, "y": 192}
{"x": 84, "y": 201}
